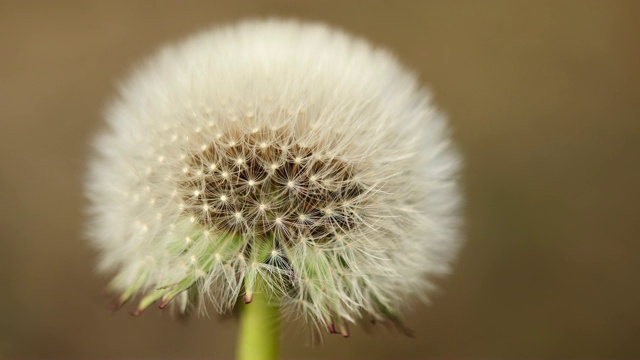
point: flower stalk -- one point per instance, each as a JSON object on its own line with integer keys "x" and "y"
{"x": 259, "y": 334}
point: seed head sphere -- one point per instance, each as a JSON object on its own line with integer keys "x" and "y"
{"x": 278, "y": 157}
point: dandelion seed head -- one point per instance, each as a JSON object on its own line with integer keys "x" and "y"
{"x": 276, "y": 144}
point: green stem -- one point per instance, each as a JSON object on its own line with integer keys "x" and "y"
{"x": 259, "y": 337}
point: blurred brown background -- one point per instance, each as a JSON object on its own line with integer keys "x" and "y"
{"x": 544, "y": 98}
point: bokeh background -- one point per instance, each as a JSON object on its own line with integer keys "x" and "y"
{"x": 544, "y": 97}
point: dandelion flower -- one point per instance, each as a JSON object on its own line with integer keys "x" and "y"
{"x": 275, "y": 157}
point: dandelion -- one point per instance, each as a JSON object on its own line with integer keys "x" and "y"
{"x": 283, "y": 163}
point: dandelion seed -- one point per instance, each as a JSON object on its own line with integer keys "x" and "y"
{"x": 369, "y": 211}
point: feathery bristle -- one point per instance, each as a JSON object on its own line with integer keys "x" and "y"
{"x": 279, "y": 153}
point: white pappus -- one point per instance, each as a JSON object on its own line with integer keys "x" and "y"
{"x": 279, "y": 153}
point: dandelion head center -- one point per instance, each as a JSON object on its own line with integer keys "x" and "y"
{"x": 258, "y": 184}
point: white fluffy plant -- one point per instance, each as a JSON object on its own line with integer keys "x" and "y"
{"x": 284, "y": 163}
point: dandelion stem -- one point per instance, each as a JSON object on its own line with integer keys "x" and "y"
{"x": 259, "y": 336}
